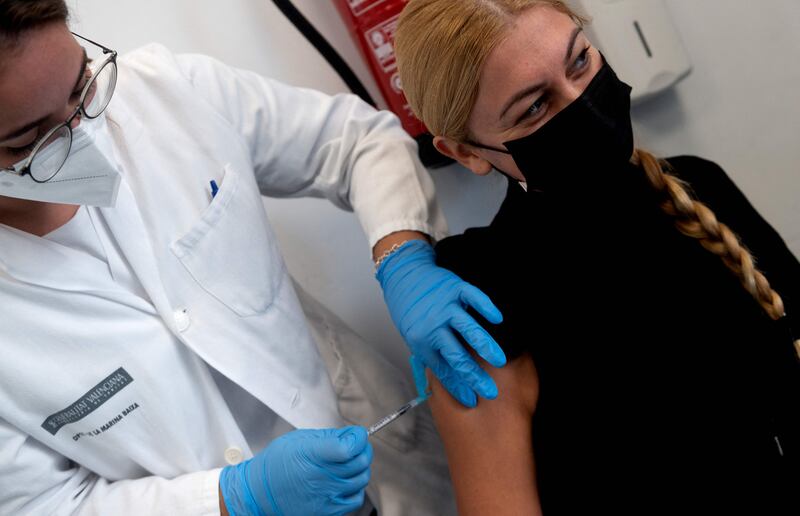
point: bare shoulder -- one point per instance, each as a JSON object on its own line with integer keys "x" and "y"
{"x": 489, "y": 448}
{"x": 518, "y": 386}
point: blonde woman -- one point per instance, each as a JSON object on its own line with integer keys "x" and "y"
{"x": 652, "y": 364}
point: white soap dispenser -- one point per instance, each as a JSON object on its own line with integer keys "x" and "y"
{"x": 640, "y": 42}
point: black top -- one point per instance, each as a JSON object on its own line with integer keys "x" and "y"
{"x": 664, "y": 386}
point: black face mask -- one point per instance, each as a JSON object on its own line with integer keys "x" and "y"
{"x": 584, "y": 146}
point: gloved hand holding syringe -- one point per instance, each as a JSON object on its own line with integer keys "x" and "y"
{"x": 303, "y": 470}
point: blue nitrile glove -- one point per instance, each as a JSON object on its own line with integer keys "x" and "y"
{"x": 319, "y": 472}
{"x": 428, "y": 304}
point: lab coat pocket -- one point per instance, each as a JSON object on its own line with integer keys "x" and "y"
{"x": 231, "y": 252}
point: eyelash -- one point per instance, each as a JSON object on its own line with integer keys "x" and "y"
{"x": 23, "y": 151}
{"x": 87, "y": 76}
{"x": 584, "y": 58}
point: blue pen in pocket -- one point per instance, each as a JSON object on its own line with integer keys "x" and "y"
{"x": 214, "y": 188}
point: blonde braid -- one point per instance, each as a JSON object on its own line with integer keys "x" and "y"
{"x": 694, "y": 219}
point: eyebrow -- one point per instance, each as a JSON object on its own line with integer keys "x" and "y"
{"x": 533, "y": 89}
{"x": 572, "y": 39}
{"x": 27, "y": 127}
{"x": 86, "y": 61}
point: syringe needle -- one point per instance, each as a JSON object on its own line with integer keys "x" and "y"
{"x": 384, "y": 421}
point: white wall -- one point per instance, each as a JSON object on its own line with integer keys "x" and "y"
{"x": 739, "y": 108}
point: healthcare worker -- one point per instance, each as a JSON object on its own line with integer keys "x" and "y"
{"x": 150, "y": 332}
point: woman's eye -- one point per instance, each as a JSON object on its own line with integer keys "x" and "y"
{"x": 87, "y": 76}
{"x": 535, "y": 108}
{"x": 23, "y": 145}
{"x": 21, "y": 152}
{"x": 582, "y": 60}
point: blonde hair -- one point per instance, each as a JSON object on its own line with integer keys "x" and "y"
{"x": 696, "y": 220}
{"x": 441, "y": 47}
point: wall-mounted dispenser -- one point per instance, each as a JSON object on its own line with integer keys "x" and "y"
{"x": 640, "y": 41}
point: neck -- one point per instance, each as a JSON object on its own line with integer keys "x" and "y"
{"x": 35, "y": 217}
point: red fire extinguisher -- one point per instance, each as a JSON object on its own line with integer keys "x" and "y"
{"x": 372, "y": 23}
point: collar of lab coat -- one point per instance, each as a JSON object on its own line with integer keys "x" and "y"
{"x": 62, "y": 268}
{"x": 126, "y": 224}
{"x": 39, "y": 261}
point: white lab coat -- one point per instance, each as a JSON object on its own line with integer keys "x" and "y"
{"x": 106, "y": 403}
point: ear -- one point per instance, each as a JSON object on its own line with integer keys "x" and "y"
{"x": 464, "y": 153}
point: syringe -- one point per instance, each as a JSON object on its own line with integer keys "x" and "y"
{"x": 394, "y": 415}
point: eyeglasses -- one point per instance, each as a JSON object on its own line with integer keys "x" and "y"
{"x": 58, "y": 141}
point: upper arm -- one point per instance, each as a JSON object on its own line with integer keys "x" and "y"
{"x": 481, "y": 258}
{"x": 489, "y": 448}
{"x": 291, "y": 132}
{"x": 303, "y": 142}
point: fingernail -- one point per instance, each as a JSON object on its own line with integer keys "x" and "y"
{"x": 488, "y": 390}
{"x": 499, "y": 358}
{"x": 468, "y": 398}
{"x": 491, "y": 391}
{"x": 348, "y": 439}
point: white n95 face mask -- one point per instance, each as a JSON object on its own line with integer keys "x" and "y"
{"x": 90, "y": 176}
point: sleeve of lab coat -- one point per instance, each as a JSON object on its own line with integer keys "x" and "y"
{"x": 35, "y": 480}
{"x": 306, "y": 143}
